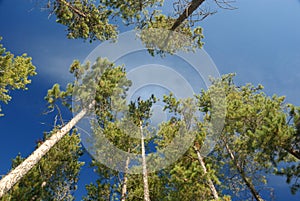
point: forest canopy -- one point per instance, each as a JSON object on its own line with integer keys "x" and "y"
{"x": 259, "y": 134}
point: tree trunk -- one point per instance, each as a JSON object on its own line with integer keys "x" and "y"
{"x": 8, "y": 181}
{"x": 248, "y": 183}
{"x": 295, "y": 153}
{"x": 210, "y": 183}
{"x": 125, "y": 179}
{"x": 145, "y": 174}
{"x": 186, "y": 13}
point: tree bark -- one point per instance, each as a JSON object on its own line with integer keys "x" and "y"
{"x": 145, "y": 174}
{"x": 248, "y": 183}
{"x": 210, "y": 183}
{"x": 186, "y": 13}
{"x": 8, "y": 181}
{"x": 125, "y": 179}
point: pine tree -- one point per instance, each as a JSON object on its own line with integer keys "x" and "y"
{"x": 190, "y": 177}
{"x": 111, "y": 76}
{"x": 259, "y": 133}
{"x": 14, "y": 73}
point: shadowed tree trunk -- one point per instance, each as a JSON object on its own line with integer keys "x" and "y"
{"x": 186, "y": 13}
{"x": 240, "y": 170}
{"x": 295, "y": 153}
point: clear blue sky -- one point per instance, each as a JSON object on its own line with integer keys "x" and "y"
{"x": 259, "y": 41}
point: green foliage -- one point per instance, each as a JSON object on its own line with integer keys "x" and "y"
{"x": 55, "y": 176}
{"x": 247, "y": 135}
{"x": 109, "y": 183}
{"x": 291, "y": 167}
{"x": 93, "y": 20}
{"x": 84, "y": 19}
{"x": 14, "y": 73}
{"x": 103, "y": 80}
{"x": 104, "y": 83}
{"x": 133, "y": 12}
{"x": 256, "y": 137}
{"x": 140, "y": 112}
{"x": 158, "y": 38}
{"x": 260, "y": 132}
{"x": 56, "y": 94}
{"x": 186, "y": 179}
{"x": 106, "y": 186}
{"x": 157, "y": 187}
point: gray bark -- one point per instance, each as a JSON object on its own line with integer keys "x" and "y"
{"x": 210, "y": 183}
{"x": 8, "y": 181}
{"x": 145, "y": 174}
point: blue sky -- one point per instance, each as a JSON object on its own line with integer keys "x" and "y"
{"x": 259, "y": 41}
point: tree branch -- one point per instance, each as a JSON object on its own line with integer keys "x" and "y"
{"x": 72, "y": 8}
{"x": 294, "y": 152}
{"x": 242, "y": 173}
{"x": 210, "y": 182}
{"x": 186, "y": 13}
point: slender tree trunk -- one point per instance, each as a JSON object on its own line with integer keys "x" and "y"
{"x": 210, "y": 183}
{"x": 125, "y": 179}
{"x": 8, "y": 181}
{"x": 145, "y": 174}
{"x": 186, "y": 13}
{"x": 248, "y": 183}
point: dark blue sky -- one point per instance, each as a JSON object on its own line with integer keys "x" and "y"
{"x": 259, "y": 41}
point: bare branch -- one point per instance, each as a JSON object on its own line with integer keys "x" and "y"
{"x": 224, "y": 4}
